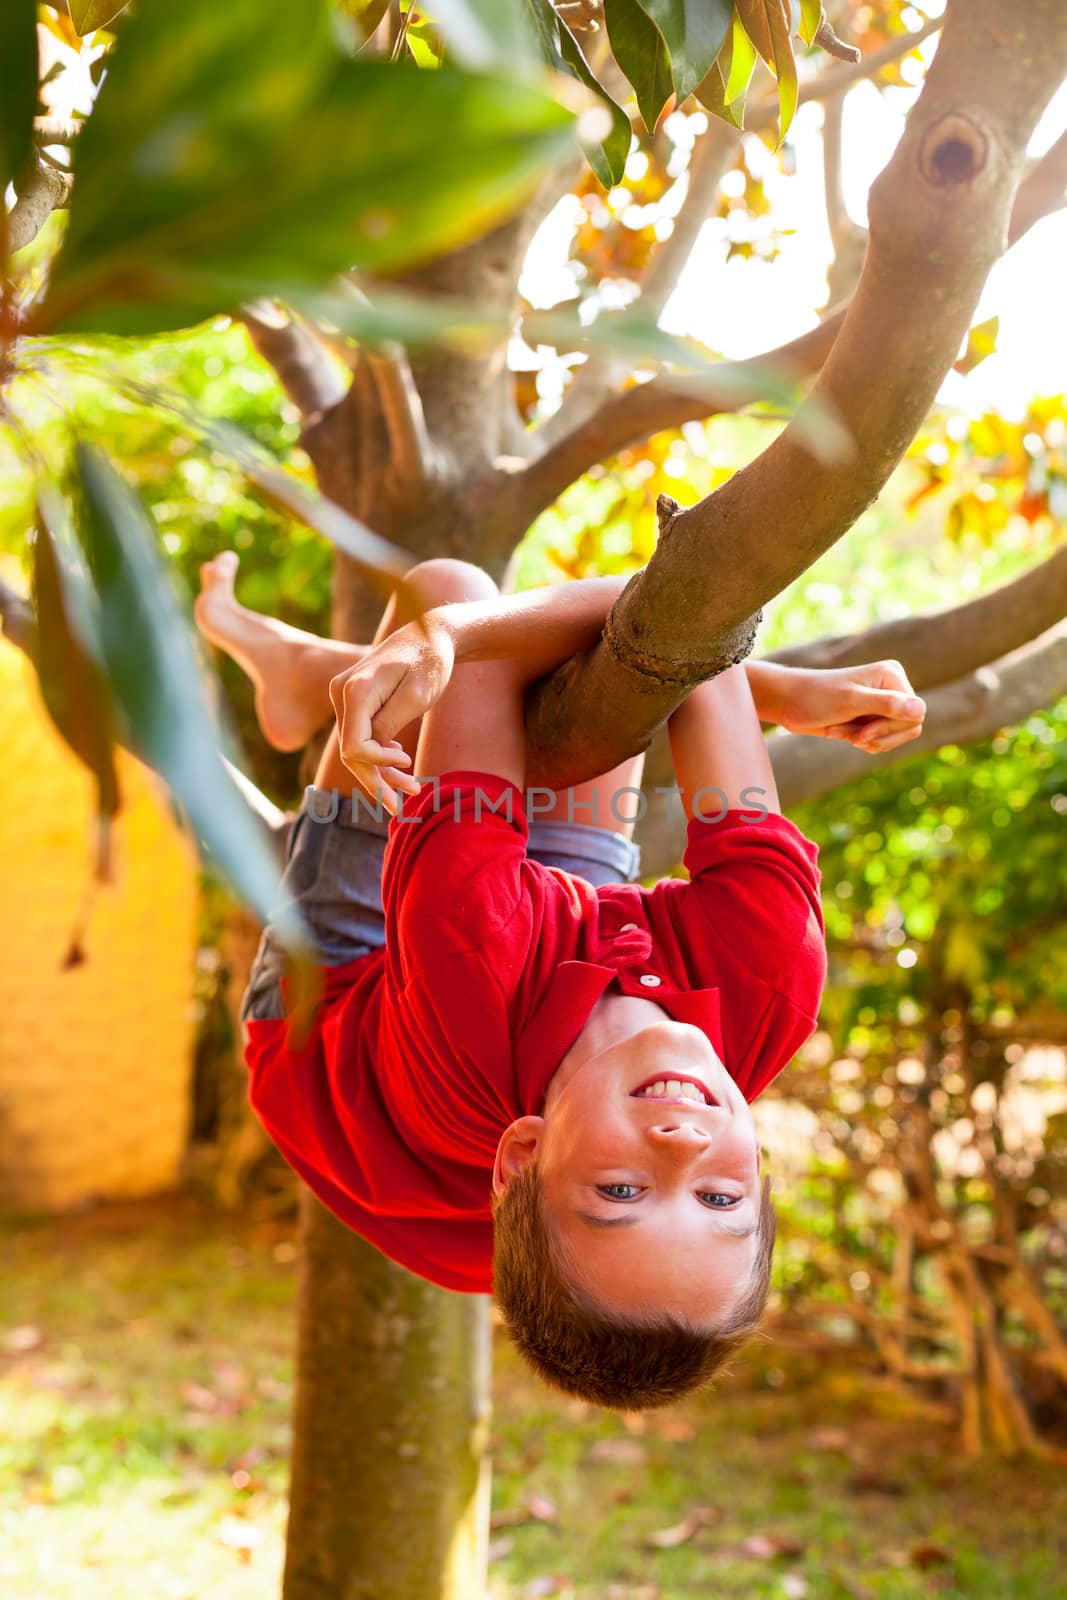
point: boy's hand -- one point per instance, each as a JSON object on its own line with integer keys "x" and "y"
{"x": 873, "y": 706}
{"x": 375, "y": 700}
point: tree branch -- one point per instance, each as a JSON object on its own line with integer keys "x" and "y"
{"x": 665, "y": 402}
{"x": 847, "y": 237}
{"x": 967, "y": 711}
{"x": 936, "y": 646}
{"x": 44, "y": 191}
{"x": 412, "y": 458}
{"x": 835, "y": 81}
{"x": 303, "y": 367}
{"x": 1041, "y": 191}
{"x": 709, "y": 160}
{"x": 938, "y": 218}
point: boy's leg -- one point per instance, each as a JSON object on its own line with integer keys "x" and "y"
{"x": 291, "y": 669}
{"x": 436, "y": 582}
{"x": 333, "y": 874}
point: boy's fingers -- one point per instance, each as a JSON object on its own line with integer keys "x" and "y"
{"x": 891, "y": 703}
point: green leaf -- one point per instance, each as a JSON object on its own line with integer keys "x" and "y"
{"x": 236, "y": 140}
{"x": 753, "y": 17}
{"x": 712, "y": 96}
{"x": 742, "y": 57}
{"x": 641, "y": 52}
{"x": 811, "y": 15}
{"x": 785, "y": 66}
{"x": 156, "y": 678}
{"x": 607, "y": 158}
{"x": 68, "y": 658}
{"x": 18, "y": 94}
{"x": 485, "y": 33}
{"x": 562, "y": 51}
{"x": 693, "y": 31}
{"x": 366, "y": 14}
{"x": 88, "y": 15}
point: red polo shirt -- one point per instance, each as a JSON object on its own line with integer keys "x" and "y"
{"x": 423, "y": 1052}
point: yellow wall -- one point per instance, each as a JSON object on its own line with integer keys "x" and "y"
{"x": 95, "y": 1061}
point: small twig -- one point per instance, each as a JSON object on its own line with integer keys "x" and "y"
{"x": 827, "y": 40}
{"x": 45, "y": 191}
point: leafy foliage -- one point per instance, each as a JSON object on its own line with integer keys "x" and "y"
{"x": 156, "y": 680}
{"x": 242, "y": 155}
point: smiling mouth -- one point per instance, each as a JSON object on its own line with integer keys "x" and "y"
{"x": 677, "y": 1090}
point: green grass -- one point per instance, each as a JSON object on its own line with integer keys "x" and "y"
{"x": 144, "y": 1432}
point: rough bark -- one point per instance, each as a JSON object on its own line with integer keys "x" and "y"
{"x": 389, "y": 1491}
{"x": 938, "y": 218}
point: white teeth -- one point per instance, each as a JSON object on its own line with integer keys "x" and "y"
{"x": 671, "y": 1089}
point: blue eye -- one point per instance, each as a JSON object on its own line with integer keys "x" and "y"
{"x": 719, "y": 1202}
{"x": 611, "y": 1190}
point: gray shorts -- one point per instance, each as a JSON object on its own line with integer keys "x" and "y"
{"x": 333, "y": 876}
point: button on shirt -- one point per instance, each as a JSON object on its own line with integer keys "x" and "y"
{"x": 422, "y": 1053}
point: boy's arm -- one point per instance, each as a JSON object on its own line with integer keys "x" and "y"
{"x": 718, "y": 748}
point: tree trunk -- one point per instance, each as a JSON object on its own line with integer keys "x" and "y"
{"x": 390, "y": 1482}
{"x": 389, "y": 1495}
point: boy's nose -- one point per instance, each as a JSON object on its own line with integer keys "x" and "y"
{"x": 678, "y": 1136}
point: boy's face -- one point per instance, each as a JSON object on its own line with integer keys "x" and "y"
{"x": 655, "y": 1197}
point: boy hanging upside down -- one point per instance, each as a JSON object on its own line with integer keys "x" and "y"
{"x": 527, "y": 1074}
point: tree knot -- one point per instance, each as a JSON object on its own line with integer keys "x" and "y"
{"x": 954, "y": 151}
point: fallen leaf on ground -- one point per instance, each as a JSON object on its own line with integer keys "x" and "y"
{"x": 930, "y": 1555}
{"x": 197, "y": 1397}
{"x": 871, "y": 1482}
{"x": 829, "y": 1439}
{"x": 534, "y": 1508}
{"x": 623, "y": 1452}
{"x": 230, "y": 1379}
{"x": 695, "y": 1519}
{"x": 676, "y": 1430}
{"x": 21, "y": 1340}
{"x": 768, "y": 1547}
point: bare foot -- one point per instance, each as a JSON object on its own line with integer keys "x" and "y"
{"x": 291, "y": 670}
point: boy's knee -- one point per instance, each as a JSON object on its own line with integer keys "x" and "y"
{"x": 443, "y": 580}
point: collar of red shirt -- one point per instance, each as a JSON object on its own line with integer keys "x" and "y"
{"x": 565, "y": 1009}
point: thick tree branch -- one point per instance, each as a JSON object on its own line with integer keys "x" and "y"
{"x": 1043, "y": 190}
{"x": 967, "y": 711}
{"x": 46, "y": 190}
{"x": 938, "y": 218}
{"x": 412, "y": 459}
{"x": 646, "y": 408}
{"x": 936, "y": 646}
{"x": 303, "y": 368}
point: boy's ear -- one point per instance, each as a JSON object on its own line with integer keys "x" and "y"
{"x": 517, "y": 1148}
